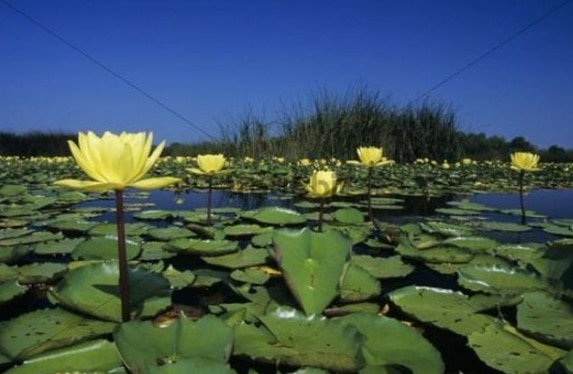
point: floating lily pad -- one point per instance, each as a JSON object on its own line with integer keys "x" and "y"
{"x": 170, "y": 233}
{"x": 110, "y": 229}
{"x": 93, "y": 289}
{"x": 380, "y": 268}
{"x": 56, "y": 247}
{"x": 546, "y": 318}
{"x": 11, "y": 290}
{"x": 202, "y": 247}
{"x": 245, "y": 230}
{"x": 473, "y": 243}
{"x": 153, "y": 215}
{"x": 440, "y": 307}
{"x": 503, "y": 226}
{"x": 438, "y": 254}
{"x": 253, "y": 275}
{"x": 289, "y": 337}
{"x": 98, "y": 355}
{"x": 249, "y": 256}
{"x": 32, "y": 333}
{"x": 275, "y": 216}
{"x": 390, "y": 342}
{"x": 446, "y": 229}
{"x": 104, "y": 248}
{"x": 179, "y": 279}
{"x": 34, "y": 237}
{"x": 499, "y": 279}
{"x": 40, "y": 272}
{"x": 350, "y": 216}
{"x": 143, "y": 345}
{"x": 312, "y": 264}
{"x": 509, "y": 353}
{"x": 357, "y": 284}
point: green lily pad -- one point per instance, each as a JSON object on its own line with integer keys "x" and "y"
{"x": 110, "y": 229}
{"x": 473, "y": 243}
{"x": 312, "y": 264}
{"x": 275, "y": 216}
{"x": 56, "y": 247}
{"x": 390, "y": 342}
{"x": 93, "y": 289}
{"x": 263, "y": 240}
{"x": 72, "y": 225}
{"x": 380, "y": 268}
{"x": 10, "y": 290}
{"x": 436, "y": 254}
{"x": 445, "y": 229}
{"x": 503, "y": 226}
{"x": 202, "y": 247}
{"x": 357, "y": 284}
{"x": 33, "y": 333}
{"x": 179, "y": 279}
{"x": 98, "y": 355}
{"x": 40, "y": 272}
{"x": 249, "y": 256}
{"x": 251, "y": 275}
{"x": 349, "y": 216}
{"x": 153, "y": 215}
{"x": 170, "y": 233}
{"x": 546, "y": 318}
{"x": 500, "y": 279}
{"x": 508, "y": 352}
{"x": 440, "y": 307}
{"x": 32, "y": 238}
{"x": 245, "y": 230}
{"x": 289, "y": 337}
{"x": 104, "y": 248}
{"x": 143, "y": 345}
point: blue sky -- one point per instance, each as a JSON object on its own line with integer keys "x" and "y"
{"x": 212, "y": 61}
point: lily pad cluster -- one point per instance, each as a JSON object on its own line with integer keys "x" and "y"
{"x": 260, "y": 290}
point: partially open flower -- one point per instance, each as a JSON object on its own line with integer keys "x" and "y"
{"x": 209, "y": 164}
{"x": 323, "y": 184}
{"x": 370, "y": 157}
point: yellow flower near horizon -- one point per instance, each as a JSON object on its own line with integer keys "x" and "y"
{"x": 524, "y": 161}
{"x": 323, "y": 184}
{"x": 209, "y": 164}
{"x": 370, "y": 157}
{"x": 115, "y": 162}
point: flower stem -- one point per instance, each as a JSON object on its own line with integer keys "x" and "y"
{"x": 209, "y": 191}
{"x": 122, "y": 256}
{"x": 369, "y": 192}
{"x": 320, "y": 215}
{"x": 521, "y": 203}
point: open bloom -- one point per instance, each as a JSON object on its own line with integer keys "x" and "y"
{"x": 525, "y": 161}
{"x": 370, "y": 157}
{"x": 323, "y": 184}
{"x": 115, "y": 162}
{"x": 209, "y": 164}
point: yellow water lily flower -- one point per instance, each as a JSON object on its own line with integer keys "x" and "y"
{"x": 323, "y": 184}
{"x": 209, "y": 164}
{"x": 370, "y": 157}
{"x": 525, "y": 161}
{"x": 115, "y": 162}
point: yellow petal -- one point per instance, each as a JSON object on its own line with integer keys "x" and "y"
{"x": 153, "y": 183}
{"x": 87, "y": 186}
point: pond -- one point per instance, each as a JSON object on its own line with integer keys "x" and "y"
{"x": 455, "y": 267}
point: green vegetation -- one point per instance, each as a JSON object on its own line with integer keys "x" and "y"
{"x": 329, "y": 126}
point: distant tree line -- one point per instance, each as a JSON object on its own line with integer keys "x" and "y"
{"x": 330, "y": 126}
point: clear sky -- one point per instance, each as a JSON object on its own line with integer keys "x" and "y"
{"x": 210, "y": 60}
